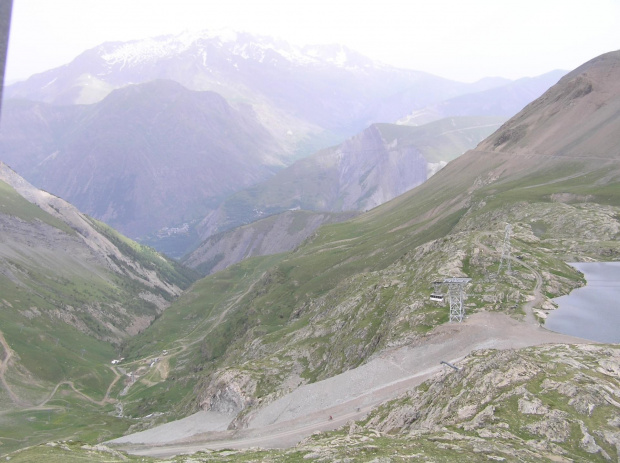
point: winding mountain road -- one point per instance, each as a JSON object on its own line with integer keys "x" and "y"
{"x": 331, "y": 403}
{"x": 8, "y": 354}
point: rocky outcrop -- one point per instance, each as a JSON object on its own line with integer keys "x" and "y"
{"x": 559, "y": 398}
{"x": 229, "y": 393}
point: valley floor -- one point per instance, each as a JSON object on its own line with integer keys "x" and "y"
{"x": 331, "y": 403}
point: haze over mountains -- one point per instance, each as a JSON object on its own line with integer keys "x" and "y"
{"x": 365, "y": 171}
{"x": 133, "y": 158}
{"x": 505, "y": 99}
{"x": 299, "y": 90}
{"x": 279, "y": 339}
{"x": 276, "y": 104}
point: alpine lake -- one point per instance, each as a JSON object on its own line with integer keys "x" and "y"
{"x": 593, "y": 311}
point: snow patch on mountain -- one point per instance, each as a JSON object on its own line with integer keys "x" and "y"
{"x": 244, "y": 45}
{"x": 143, "y": 51}
{"x": 256, "y": 48}
{"x": 152, "y": 49}
{"x": 335, "y": 55}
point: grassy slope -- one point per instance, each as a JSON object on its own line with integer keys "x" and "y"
{"x": 47, "y": 352}
{"x": 54, "y": 314}
{"x": 167, "y": 269}
{"x": 14, "y": 205}
{"x": 34, "y": 337}
{"x": 276, "y": 233}
{"x": 443, "y": 140}
{"x": 361, "y": 285}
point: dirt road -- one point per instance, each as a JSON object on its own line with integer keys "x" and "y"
{"x": 8, "y": 354}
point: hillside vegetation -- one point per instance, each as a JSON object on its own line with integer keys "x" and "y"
{"x": 72, "y": 290}
{"x": 363, "y": 285}
{"x": 271, "y": 235}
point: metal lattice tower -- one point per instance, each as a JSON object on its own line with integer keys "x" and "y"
{"x": 456, "y": 293}
{"x": 505, "y": 260}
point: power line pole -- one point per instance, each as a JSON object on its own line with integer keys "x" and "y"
{"x": 456, "y": 294}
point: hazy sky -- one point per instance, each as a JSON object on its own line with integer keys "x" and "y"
{"x": 459, "y": 39}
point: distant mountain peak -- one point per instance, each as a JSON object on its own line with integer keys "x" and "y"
{"x": 154, "y": 48}
{"x": 240, "y": 44}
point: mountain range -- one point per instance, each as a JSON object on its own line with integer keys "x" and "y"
{"x": 77, "y": 295}
{"x": 249, "y": 106}
{"x": 506, "y": 99}
{"x": 301, "y": 90}
{"x": 365, "y": 171}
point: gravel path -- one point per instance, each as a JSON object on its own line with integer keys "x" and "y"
{"x": 349, "y": 395}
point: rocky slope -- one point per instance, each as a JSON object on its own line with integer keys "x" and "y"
{"x": 43, "y": 234}
{"x": 272, "y": 235}
{"x": 531, "y": 405}
{"x": 549, "y": 403}
{"x": 575, "y": 119}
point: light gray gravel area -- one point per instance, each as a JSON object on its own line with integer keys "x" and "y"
{"x": 359, "y": 383}
{"x": 197, "y": 423}
{"x": 379, "y": 379}
{"x": 333, "y": 402}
